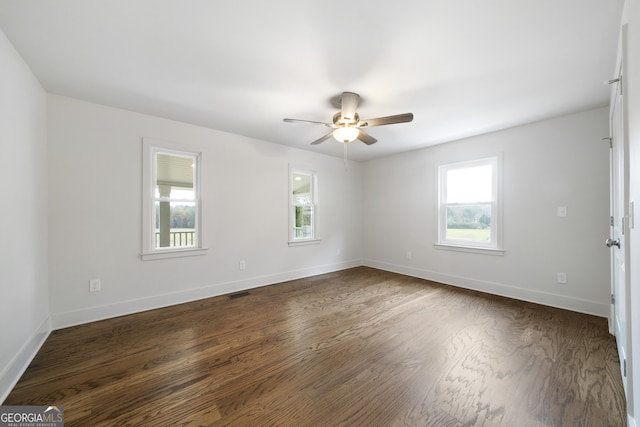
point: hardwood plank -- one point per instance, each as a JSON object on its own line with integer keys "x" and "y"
{"x": 360, "y": 347}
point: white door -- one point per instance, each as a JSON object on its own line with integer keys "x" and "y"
{"x": 619, "y": 239}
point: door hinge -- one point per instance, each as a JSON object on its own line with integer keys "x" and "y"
{"x": 620, "y": 83}
{"x": 608, "y": 138}
{"x": 613, "y": 299}
{"x": 611, "y": 218}
{"x": 624, "y": 368}
{"x": 632, "y": 219}
{"x": 618, "y": 80}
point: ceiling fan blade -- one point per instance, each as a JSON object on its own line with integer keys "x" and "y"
{"x": 323, "y": 139}
{"x": 366, "y": 138}
{"x": 389, "y": 120}
{"x": 349, "y": 105}
{"x": 331, "y": 125}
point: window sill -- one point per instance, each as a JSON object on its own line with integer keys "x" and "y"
{"x": 470, "y": 249}
{"x": 175, "y": 253}
{"x": 293, "y": 243}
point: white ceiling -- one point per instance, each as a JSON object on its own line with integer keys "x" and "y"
{"x": 463, "y": 67}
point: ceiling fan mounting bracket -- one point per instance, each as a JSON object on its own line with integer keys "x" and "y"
{"x": 336, "y": 101}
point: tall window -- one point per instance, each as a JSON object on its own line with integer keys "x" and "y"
{"x": 175, "y": 199}
{"x": 469, "y": 211}
{"x": 302, "y": 213}
{"x": 172, "y": 200}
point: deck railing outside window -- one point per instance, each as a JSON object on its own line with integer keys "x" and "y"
{"x": 178, "y": 238}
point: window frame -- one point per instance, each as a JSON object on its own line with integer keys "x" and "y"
{"x": 314, "y": 239}
{"x": 150, "y": 149}
{"x": 494, "y": 246}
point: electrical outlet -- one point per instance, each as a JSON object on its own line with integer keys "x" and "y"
{"x": 243, "y": 264}
{"x": 94, "y": 285}
{"x": 562, "y": 278}
{"x": 562, "y": 211}
{"x": 409, "y": 255}
{"x": 339, "y": 252}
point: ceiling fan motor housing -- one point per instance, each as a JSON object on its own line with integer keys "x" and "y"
{"x": 340, "y": 122}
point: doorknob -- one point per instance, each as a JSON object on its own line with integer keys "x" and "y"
{"x": 612, "y": 242}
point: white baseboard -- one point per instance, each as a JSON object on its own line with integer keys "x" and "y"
{"x": 553, "y": 300}
{"x": 92, "y": 314}
{"x": 95, "y": 313}
{"x": 13, "y": 371}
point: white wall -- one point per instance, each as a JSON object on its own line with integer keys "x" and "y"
{"x": 558, "y": 162}
{"x": 632, "y": 80}
{"x": 24, "y": 303}
{"x": 95, "y": 183}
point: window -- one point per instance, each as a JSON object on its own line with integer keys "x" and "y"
{"x": 171, "y": 206}
{"x": 302, "y": 212}
{"x": 469, "y": 204}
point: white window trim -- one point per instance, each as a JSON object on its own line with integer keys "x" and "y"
{"x": 305, "y": 242}
{"x": 150, "y": 147}
{"x": 469, "y": 249}
{"x": 314, "y": 190}
{"x": 494, "y": 248}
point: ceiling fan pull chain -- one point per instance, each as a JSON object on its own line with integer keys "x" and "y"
{"x": 345, "y": 156}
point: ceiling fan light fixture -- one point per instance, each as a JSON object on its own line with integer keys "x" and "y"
{"x": 346, "y": 134}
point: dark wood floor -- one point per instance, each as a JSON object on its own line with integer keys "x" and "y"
{"x": 360, "y": 347}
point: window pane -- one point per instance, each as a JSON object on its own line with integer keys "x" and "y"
{"x": 178, "y": 228}
{"x": 468, "y": 185}
{"x": 469, "y": 222}
{"x": 174, "y": 170}
{"x": 303, "y": 228}
{"x": 301, "y": 189}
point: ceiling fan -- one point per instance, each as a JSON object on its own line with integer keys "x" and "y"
{"x": 347, "y": 125}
